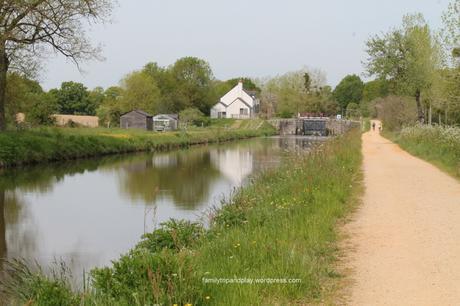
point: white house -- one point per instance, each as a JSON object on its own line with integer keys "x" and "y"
{"x": 237, "y": 103}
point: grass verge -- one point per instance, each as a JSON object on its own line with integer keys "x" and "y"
{"x": 279, "y": 233}
{"x": 53, "y": 144}
{"x": 436, "y": 144}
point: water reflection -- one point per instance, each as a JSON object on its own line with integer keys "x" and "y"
{"x": 88, "y": 212}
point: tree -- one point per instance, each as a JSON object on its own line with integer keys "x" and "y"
{"x": 192, "y": 116}
{"x": 408, "y": 57}
{"x": 450, "y": 33}
{"x": 375, "y": 89}
{"x": 353, "y": 110}
{"x": 193, "y": 80}
{"x": 33, "y": 27}
{"x": 110, "y": 109}
{"x": 140, "y": 92}
{"x": 287, "y": 94}
{"x": 73, "y": 99}
{"x": 349, "y": 90}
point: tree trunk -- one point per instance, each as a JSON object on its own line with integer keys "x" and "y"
{"x": 430, "y": 115}
{"x": 3, "y": 247}
{"x": 3, "y": 70}
{"x": 421, "y": 116}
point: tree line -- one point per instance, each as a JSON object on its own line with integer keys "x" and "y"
{"x": 412, "y": 68}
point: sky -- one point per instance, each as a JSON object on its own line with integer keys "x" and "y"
{"x": 253, "y": 38}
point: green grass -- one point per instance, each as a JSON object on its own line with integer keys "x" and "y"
{"x": 53, "y": 144}
{"x": 436, "y": 144}
{"x": 281, "y": 226}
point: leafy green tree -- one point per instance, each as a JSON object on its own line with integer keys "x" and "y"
{"x": 73, "y": 99}
{"x": 41, "y": 109}
{"x": 349, "y": 90}
{"x": 192, "y": 116}
{"x": 451, "y": 30}
{"x": 353, "y": 110}
{"x": 193, "y": 84}
{"x": 409, "y": 57}
{"x": 375, "y": 89}
{"x": 110, "y": 109}
{"x": 140, "y": 92}
{"x": 20, "y": 94}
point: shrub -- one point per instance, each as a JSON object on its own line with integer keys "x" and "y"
{"x": 395, "y": 112}
{"x": 173, "y": 235}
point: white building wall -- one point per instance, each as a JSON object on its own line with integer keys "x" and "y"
{"x": 219, "y": 107}
{"x": 233, "y": 110}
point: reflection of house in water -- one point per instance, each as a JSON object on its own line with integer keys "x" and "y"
{"x": 165, "y": 160}
{"x": 236, "y": 164}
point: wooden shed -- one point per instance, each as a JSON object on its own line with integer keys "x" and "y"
{"x": 136, "y": 119}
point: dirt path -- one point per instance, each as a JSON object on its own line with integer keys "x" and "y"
{"x": 406, "y": 236}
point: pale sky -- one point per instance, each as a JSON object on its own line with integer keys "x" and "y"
{"x": 254, "y": 38}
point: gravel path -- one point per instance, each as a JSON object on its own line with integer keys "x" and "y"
{"x": 406, "y": 235}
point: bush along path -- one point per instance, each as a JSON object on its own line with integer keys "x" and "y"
{"x": 55, "y": 144}
{"x": 439, "y": 145}
{"x": 278, "y": 232}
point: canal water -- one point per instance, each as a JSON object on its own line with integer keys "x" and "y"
{"x": 88, "y": 212}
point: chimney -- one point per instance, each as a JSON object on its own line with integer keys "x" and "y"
{"x": 240, "y": 84}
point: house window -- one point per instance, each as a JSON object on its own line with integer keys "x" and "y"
{"x": 222, "y": 115}
{"x": 244, "y": 111}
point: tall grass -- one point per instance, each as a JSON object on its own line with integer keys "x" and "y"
{"x": 53, "y": 144}
{"x": 280, "y": 229}
{"x": 437, "y": 144}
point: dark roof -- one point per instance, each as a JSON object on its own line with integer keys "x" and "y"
{"x": 252, "y": 93}
{"x": 139, "y": 112}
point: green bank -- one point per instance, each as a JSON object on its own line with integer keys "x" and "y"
{"x": 55, "y": 144}
{"x": 439, "y": 145}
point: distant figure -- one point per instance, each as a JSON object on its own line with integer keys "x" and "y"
{"x": 373, "y": 126}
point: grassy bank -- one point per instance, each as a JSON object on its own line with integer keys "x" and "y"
{"x": 436, "y": 144}
{"x": 279, "y": 230}
{"x": 53, "y": 144}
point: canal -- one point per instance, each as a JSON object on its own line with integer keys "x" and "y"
{"x": 88, "y": 212}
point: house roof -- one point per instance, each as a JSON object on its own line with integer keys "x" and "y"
{"x": 252, "y": 93}
{"x": 139, "y": 112}
{"x": 242, "y": 100}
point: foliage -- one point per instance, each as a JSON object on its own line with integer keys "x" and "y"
{"x": 139, "y": 92}
{"x": 173, "y": 235}
{"x": 395, "y": 112}
{"x": 409, "y": 57}
{"x": 74, "y": 99}
{"x": 349, "y": 90}
{"x": 193, "y": 116}
{"x": 287, "y": 95}
{"x": 375, "y": 89}
{"x": 450, "y": 33}
{"x": 192, "y": 77}
{"x": 30, "y": 29}
{"x": 353, "y": 110}
{"x": 111, "y": 108}
{"x": 21, "y": 283}
{"x": 437, "y": 144}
